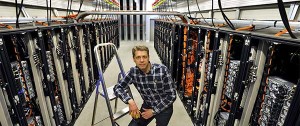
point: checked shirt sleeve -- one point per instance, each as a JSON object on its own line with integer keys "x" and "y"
{"x": 170, "y": 90}
{"x": 120, "y": 88}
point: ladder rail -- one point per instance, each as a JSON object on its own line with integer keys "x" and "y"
{"x": 95, "y": 102}
{"x": 101, "y": 79}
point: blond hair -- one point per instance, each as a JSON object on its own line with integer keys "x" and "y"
{"x": 139, "y": 48}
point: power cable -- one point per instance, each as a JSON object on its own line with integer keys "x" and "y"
{"x": 201, "y": 13}
{"x": 70, "y": 10}
{"x": 256, "y": 29}
{"x": 17, "y": 20}
{"x": 225, "y": 17}
{"x": 20, "y": 8}
{"x": 188, "y": 8}
{"x": 284, "y": 18}
{"x": 67, "y": 17}
{"x": 81, "y": 1}
{"x": 50, "y": 12}
{"x": 47, "y": 11}
{"x": 212, "y": 13}
{"x": 18, "y": 12}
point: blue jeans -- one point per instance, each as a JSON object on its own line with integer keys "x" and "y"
{"x": 162, "y": 119}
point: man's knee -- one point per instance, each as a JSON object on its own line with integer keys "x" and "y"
{"x": 164, "y": 117}
{"x": 133, "y": 123}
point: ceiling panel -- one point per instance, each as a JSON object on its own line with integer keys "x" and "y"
{"x": 229, "y": 14}
{"x": 7, "y": 11}
{"x": 261, "y": 14}
{"x": 36, "y": 12}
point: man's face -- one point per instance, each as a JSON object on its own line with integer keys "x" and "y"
{"x": 141, "y": 60}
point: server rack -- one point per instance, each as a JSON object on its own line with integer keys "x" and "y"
{"x": 57, "y": 51}
{"x": 5, "y": 120}
{"x": 231, "y": 66}
{"x": 86, "y": 60}
{"x": 86, "y": 33}
{"x": 279, "y": 87}
{"x": 47, "y": 72}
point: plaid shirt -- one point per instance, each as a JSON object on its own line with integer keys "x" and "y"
{"x": 157, "y": 88}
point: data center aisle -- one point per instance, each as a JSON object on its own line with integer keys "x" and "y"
{"x": 179, "y": 118}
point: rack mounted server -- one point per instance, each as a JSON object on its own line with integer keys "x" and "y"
{"x": 231, "y": 78}
{"x": 47, "y": 74}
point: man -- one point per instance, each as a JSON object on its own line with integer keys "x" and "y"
{"x": 155, "y": 85}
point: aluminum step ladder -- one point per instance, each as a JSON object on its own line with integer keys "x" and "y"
{"x": 108, "y": 93}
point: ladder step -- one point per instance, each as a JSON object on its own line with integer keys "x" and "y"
{"x": 121, "y": 113}
{"x": 110, "y": 92}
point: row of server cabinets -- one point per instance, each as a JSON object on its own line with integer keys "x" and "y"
{"x": 47, "y": 74}
{"x": 229, "y": 78}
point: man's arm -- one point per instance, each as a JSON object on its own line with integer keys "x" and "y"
{"x": 170, "y": 90}
{"x": 120, "y": 88}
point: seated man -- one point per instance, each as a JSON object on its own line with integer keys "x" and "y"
{"x": 156, "y": 87}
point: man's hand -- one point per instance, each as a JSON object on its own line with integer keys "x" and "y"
{"x": 147, "y": 113}
{"x": 133, "y": 109}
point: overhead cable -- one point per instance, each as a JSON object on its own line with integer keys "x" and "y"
{"x": 201, "y": 13}
{"x": 188, "y": 5}
{"x": 18, "y": 12}
{"x": 81, "y": 1}
{"x": 47, "y": 7}
{"x": 49, "y": 23}
{"x": 212, "y": 13}
{"x": 67, "y": 11}
{"x": 284, "y": 18}
{"x": 225, "y": 17}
